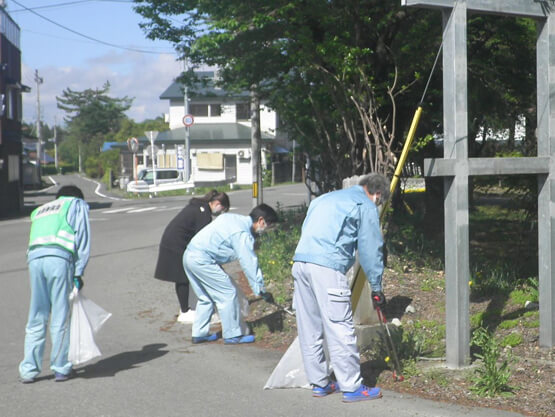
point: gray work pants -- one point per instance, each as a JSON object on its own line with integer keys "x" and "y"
{"x": 322, "y": 299}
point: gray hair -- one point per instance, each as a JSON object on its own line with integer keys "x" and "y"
{"x": 376, "y": 183}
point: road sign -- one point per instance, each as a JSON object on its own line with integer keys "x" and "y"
{"x": 188, "y": 120}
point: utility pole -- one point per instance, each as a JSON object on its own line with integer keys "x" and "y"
{"x": 39, "y": 81}
{"x": 55, "y": 144}
{"x": 255, "y": 148}
{"x": 187, "y": 160}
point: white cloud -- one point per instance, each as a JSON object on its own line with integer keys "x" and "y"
{"x": 140, "y": 76}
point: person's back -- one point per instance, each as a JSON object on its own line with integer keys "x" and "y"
{"x": 58, "y": 253}
{"x": 218, "y": 240}
{"x": 331, "y": 229}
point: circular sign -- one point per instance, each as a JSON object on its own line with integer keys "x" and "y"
{"x": 188, "y": 120}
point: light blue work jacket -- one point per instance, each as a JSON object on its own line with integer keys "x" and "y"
{"x": 78, "y": 219}
{"x": 336, "y": 225}
{"x": 226, "y": 239}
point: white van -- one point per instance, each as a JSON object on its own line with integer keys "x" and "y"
{"x": 145, "y": 178}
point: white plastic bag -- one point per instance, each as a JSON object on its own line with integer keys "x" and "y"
{"x": 86, "y": 320}
{"x": 289, "y": 372}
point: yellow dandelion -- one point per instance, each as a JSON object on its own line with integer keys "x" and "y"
{"x": 470, "y": 283}
{"x": 387, "y": 358}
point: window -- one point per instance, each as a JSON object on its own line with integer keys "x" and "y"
{"x": 200, "y": 110}
{"x": 215, "y": 110}
{"x": 243, "y": 111}
{"x": 206, "y": 110}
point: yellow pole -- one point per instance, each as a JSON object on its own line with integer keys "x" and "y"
{"x": 403, "y": 158}
{"x": 360, "y": 277}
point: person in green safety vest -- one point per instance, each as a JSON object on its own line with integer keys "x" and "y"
{"x": 58, "y": 252}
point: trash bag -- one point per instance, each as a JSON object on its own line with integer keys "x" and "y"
{"x": 289, "y": 372}
{"x": 86, "y": 320}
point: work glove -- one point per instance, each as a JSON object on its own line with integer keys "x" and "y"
{"x": 267, "y": 296}
{"x": 78, "y": 282}
{"x": 378, "y": 299}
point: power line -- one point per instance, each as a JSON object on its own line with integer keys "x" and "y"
{"x": 69, "y": 3}
{"x": 144, "y": 51}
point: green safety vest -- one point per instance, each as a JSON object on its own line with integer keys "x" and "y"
{"x": 50, "y": 227}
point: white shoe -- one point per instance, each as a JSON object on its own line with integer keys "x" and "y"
{"x": 215, "y": 318}
{"x": 187, "y": 317}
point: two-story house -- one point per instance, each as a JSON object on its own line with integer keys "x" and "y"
{"x": 219, "y": 138}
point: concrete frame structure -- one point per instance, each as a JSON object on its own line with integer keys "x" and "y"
{"x": 456, "y": 167}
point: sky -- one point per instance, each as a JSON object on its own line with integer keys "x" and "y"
{"x": 66, "y": 59}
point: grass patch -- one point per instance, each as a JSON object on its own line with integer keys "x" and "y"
{"x": 512, "y": 340}
{"x": 508, "y": 324}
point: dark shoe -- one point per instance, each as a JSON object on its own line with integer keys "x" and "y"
{"x": 249, "y": 338}
{"x": 58, "y": 377}
{"x": 328, "y": 389}
{"x": 27, "y": 380}
{"x": 202, "y": 339}
{"x": 362, "y": 394}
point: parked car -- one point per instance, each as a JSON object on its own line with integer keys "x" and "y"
{"x": 145, "y": 177}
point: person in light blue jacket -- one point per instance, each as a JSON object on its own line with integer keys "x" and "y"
{"x": 230, "y": 237}
{"x": 337, "y": 224}
{"x": 59, "y": 246}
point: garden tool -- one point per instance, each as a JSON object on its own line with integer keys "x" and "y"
{"x": 397, "y": 376}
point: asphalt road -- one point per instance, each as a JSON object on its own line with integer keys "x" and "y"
{"x": 149, "y": 366}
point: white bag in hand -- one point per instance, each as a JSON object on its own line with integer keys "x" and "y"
{"x": 86, "y": 319}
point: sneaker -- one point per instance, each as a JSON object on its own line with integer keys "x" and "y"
{"x": 362, "y": 394}
{"x": 27, "y": 380}
{"x": 249, "y": 338}
{"x": 202, "y": 339}
{"x": 58, "y": 377}
{"x": 328, "y": 389}
{"x": 188, "y": 317}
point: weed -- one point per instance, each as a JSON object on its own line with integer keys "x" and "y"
{"x": 531, "y": 324}
{"x": 512, "y": 340}
{"x": 519, "y": 297}
{"x": 535, "y": 314}
{"x": 438, "y": 377}
{"x": 508, "y": 324}
{"x": 490, "y": 378}
{"x": 260, "y": 331}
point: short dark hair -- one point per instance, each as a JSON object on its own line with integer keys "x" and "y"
{"x": 70, "y": 191}
{"x": 376, "y": 183}
{"x": 264, "y": 211}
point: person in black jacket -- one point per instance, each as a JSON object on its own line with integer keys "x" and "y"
{"x": 177, "y": 235}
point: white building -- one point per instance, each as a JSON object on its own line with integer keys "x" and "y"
{"x": 219, "y": 139}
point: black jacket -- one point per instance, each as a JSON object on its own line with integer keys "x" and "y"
{"x": 176, "y": 237}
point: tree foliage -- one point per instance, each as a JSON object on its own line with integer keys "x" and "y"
{"x": 346, "y": 75}
{"x": 92, "y": 117}
{"x": 327, "y": 67}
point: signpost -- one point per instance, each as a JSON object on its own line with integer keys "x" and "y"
{"x": 133, "y": 145}
{"x": 152, "y": 135}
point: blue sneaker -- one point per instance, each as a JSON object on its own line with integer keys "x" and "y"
{"x": 202, "y": 339}
{"x": 362, "y": 394}
{"x": 328, "y": 389}
{"x": 249, "y": 338}
{"x": 58, "y": 377}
